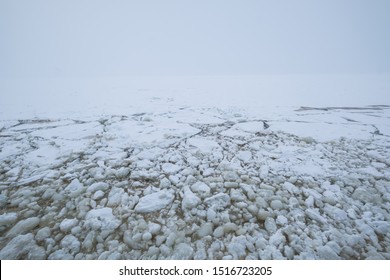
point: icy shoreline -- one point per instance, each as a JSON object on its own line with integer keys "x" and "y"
{"x": 197, "y": 183}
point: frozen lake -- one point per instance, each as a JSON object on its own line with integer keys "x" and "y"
{"x": 269, "y": 167}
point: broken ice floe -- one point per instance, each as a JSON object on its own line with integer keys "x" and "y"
{"x": 312, "y": 184}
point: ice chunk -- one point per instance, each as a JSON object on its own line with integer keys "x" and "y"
{"x": 74, "y": 189}
{"x": 219, "y": 200}
{"x": 8, "y": 218}
{"x": 270, "y": 225}
{"x": 230, "y": 176}
{"x": 190, "y": 200}
{"x": 204, "y": 146}
{"x": 230, "y": 185}
{"x": 155, "y": 201}
{"x": 71, "y": 244}
{"x": 43, "y": 234}
{"x": 205, "y": 229}
{"x": 60, "y": 255}
{"x": 165, "y": 183}
{"x": 381, "y": 227}
{"x": 122, "y": 172}
{"x": 237, "y": 247}
{"x": 31, "y": 179}
{"x": 88, "y": 240}
{"x": 314, "y": 215}
{"x": 328, "y": 186}
{"x": 365, "y": 196}
{"x": 330, "y": 197}
{"x": 237, "y": 195}
{"x": 276, "y": 204}
{"x": 115, "y": 197}
{"x": 201, "y": 188}
{"x": 290, "y": 188}
{"x": 145, "y": 175}
{"x": 230, "y": 227}
{"x": 154, "y": 228}
{"x": 327, "y": 253}
{"x": 102, "y": 219}
{"x": 309, "y": 202}
{"x": 67, "y": 224}
{"x": 99, "y": 186}
{"x": 98, "y": 195}
{"x": 277, "y": 238}
{"x": 335, "y": 213}
{"x": 219, "y": 232}
{"x": 244, "y": 156}
{"x": 150, "y": 154}
{"x": 372, "y": 171}
{"x": 170, "y": 168}
{"x": 22, "y": 246}
{"x": 281, "y": 220}
{"x": 264, "y": 171}
{"x": 147, "y": 236}
{"x": 3, "y": 200}
{"x": 182, "y": 251}
{"x": 23, "y": 226}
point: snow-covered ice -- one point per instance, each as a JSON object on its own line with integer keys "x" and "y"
{"x": 173, "y": 178}
{"x": 154, "y": 201}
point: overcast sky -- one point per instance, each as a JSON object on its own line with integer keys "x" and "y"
{"x": 48, "y": 38}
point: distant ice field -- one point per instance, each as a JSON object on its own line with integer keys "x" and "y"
{"x": 28, "y": 98}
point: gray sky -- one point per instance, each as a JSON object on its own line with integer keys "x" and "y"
{"x": 45, "y": 38}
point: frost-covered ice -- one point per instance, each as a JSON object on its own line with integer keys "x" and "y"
{"x": 182, "y": 182}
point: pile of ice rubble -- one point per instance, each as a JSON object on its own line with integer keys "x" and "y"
{"x": 156, "y": 187}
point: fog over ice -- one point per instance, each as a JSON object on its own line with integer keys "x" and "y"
{"x": 120, "y": 38}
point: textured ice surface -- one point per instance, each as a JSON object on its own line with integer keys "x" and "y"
{"x": 164, "y": 180}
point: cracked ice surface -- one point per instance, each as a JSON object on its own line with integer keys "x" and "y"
{"x": 186, "y": 182}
